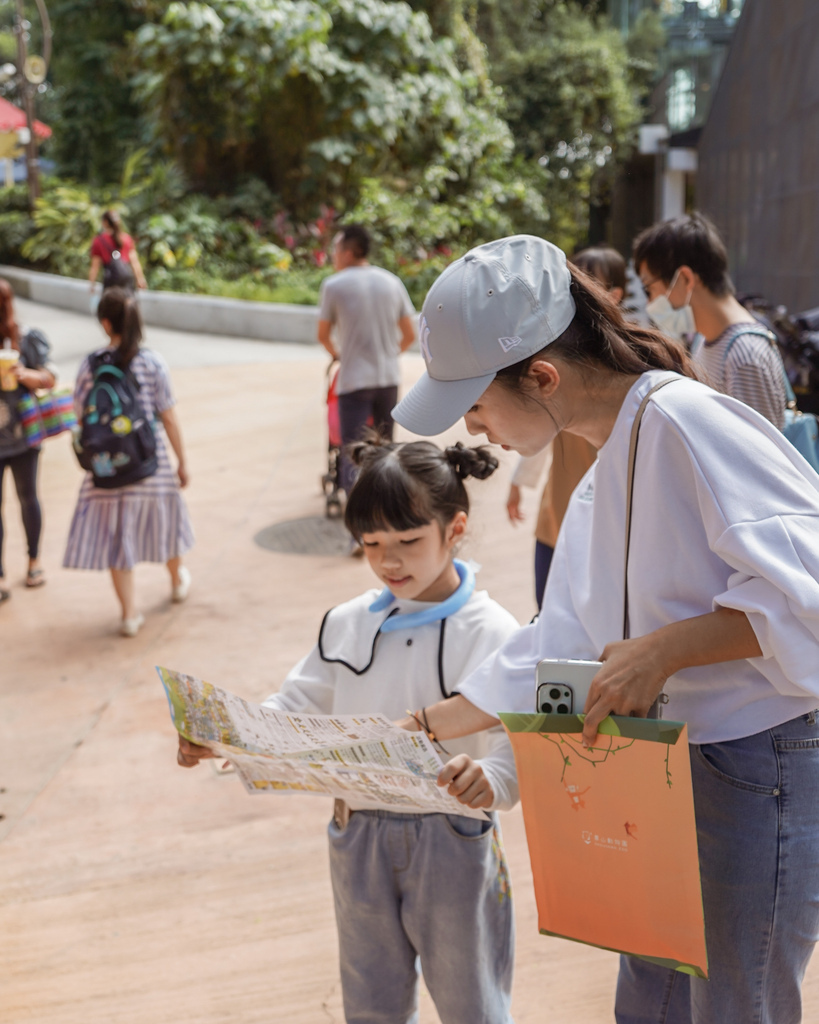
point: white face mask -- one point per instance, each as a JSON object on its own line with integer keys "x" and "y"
{"x": 676, "y": 323}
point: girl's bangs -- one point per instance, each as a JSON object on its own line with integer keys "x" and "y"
{"x": 384, "y": 497}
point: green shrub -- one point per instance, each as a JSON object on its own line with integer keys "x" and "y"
{"x": 67, "y": 218}
{"x": 16, "y": 227}
{"x": 297, "y": 287}
{"x": 14, "y": 199}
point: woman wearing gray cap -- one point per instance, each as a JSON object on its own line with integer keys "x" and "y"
{"x": 711, "y": 595}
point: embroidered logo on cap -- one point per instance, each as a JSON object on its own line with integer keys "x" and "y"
{"x": 509, "y": 343}
{"x": 423, "y": 340}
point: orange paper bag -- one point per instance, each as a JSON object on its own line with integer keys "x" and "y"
{"x": 612, "y": 836}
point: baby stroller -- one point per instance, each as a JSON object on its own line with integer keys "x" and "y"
{"x": 331, "y": 481}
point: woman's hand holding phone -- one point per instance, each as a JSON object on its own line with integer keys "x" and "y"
{"x": 630, "y": 680}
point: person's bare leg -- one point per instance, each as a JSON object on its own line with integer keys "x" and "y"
{"x": 180, "y": 580}
{"x": 123, "y": 580}
{"x": 174, "y": 565}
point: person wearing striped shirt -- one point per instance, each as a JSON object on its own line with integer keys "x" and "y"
{"x": 683, "y": 266}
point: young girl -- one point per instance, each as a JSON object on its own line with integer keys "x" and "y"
{"x": 409, "y": 886}
{"x": 112, "y": 239}
{"x": 145, "y": 521}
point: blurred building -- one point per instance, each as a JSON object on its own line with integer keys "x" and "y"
{"x": 758, "y": 155}
{"x": 660, "y": 180}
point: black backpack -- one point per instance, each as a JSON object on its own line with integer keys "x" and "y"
{"x": 116, "y": 441}
{"x": 117, "y": 272}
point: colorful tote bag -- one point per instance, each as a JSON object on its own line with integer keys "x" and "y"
{"x": 46, "y": 414}
{"x": 612, "y": 836}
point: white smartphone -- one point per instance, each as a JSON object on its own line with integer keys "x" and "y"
{"x": 562, "y": 685}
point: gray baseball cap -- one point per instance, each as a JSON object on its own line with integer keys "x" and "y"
{"x": 497, "y": 305}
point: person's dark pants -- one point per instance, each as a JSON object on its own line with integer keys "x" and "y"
{"x": 543, "y": 561}
{"x": 355, "y": 410}
{"x": 24, "y": 470}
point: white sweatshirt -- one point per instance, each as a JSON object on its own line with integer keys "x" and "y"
{"x": 725, "y": 514}
{"x": 355, "y": 668}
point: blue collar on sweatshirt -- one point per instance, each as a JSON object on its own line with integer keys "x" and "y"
{"x": 437, "y": 612}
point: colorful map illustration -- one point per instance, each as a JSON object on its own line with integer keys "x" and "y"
{"x": 364, "y": 760}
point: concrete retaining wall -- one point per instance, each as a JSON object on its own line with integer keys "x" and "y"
{"x": 203, "y": 314}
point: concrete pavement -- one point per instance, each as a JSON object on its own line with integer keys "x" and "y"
{"x": 132, "y": 891}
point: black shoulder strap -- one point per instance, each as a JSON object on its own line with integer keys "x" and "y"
{"x": 111, "y": 248}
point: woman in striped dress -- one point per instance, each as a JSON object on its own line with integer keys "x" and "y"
{"x": 146, "y": 521}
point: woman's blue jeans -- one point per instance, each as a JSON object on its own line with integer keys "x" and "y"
{"x": 757, "y": 807}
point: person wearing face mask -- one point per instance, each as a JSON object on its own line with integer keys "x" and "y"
{"x": 683, "y": 266}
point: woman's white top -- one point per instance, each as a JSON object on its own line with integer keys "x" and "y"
{"x": 355, "y": 668}
{"x": 725, "y": 514}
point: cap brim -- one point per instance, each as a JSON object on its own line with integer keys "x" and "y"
{"x": 433, "y": 406}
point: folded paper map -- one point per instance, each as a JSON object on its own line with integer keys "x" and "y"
{"x": 362, "y": 759}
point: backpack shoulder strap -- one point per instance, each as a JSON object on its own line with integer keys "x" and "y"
{"x": 737, "y": 330}
{"x": 761, "y": 331}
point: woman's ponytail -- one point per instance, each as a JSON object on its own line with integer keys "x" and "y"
{"x": 478, "y": 462}
{"x": 8, "y": 325}
{"x": 112, "y": 219}
{"x": 121, "y": 309}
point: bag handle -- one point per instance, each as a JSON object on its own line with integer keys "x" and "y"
{"x": 632, "y": 458}
{"x": 116, "y": 406}
{"x": 654, "y": 710}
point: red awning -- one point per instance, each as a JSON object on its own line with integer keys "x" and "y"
{"x": 12, "y": 118}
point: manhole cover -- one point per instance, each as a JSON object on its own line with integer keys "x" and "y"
{"x": 315, "y": 535}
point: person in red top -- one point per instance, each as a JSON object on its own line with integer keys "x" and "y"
{"x": 114, "y": 250}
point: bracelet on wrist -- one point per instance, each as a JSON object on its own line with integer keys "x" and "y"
{"x": 421, "y": 720}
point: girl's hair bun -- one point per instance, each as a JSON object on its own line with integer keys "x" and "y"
{"x": 477, "y": 462}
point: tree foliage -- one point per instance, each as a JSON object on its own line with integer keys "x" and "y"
{"x": 571, "y": 101}
{"x": 313, "y": 96}
{"x": 98, "y": 120}
{"x": 440, "y": 123}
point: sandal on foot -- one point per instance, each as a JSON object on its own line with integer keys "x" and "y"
{"x": 35, "y": 578}
{"x": 130, "y": 627}
{"x": 180, "y": 592}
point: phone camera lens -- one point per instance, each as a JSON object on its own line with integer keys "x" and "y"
{"x": 546, "y": 708}
{"x": 563, "y": 709}
{"x": 554, "y": 693}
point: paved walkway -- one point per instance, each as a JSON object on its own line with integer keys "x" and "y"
{"x": 137, "y": 893}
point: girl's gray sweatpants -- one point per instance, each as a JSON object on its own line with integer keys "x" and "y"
{"x": 428, "y": 890}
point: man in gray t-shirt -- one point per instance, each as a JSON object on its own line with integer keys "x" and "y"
{"x": 373, "y": 319}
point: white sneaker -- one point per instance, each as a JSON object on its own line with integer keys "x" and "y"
{"x": 130, "y": 627}
{"x": 182, "y": 588}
